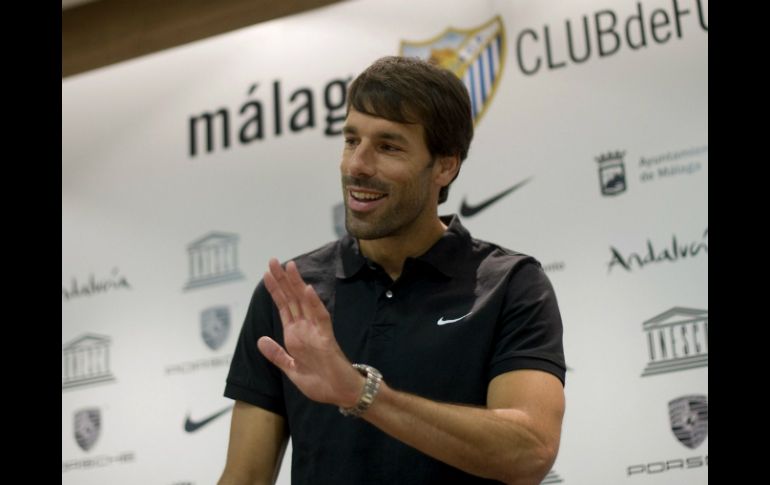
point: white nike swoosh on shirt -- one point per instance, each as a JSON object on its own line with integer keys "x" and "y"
{"x": 441, "y": 320}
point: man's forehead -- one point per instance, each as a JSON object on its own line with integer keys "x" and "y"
{"x": 357, "y": 122}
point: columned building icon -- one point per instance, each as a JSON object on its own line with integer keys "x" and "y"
{"x": 213, "y": 259}
{"x": 85, "y": 361}
{"x": 677, "y": 340}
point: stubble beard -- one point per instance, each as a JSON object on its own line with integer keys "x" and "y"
{"x": 380, "y": 227}
{"x": 395, "y": 219}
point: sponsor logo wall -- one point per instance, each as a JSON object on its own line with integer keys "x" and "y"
{"x": 184, "y": 171}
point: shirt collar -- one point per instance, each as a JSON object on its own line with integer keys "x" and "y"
{"x": 442, "y": 256}
{"x": 350, "y": 259}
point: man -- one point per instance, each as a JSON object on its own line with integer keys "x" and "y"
{"x": 460, "y": 340}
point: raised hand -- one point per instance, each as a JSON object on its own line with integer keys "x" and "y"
{"x": 312, "y": 359}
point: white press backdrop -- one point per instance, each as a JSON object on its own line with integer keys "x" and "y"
{"x": 161, "y": 247}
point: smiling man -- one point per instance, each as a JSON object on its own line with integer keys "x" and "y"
{"x": 407, "y": 351}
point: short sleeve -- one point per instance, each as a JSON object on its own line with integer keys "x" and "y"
{"x": 252, "y": 378}
{"x": 529, "y": 335}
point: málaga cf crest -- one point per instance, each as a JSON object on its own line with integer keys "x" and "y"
{"x": 475, "y": 55}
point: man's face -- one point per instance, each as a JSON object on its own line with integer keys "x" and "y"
{"x": 387, "y": 175}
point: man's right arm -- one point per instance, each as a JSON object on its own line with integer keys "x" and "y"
{"x": 258, "y": 440}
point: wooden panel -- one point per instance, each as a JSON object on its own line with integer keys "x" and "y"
{"x": 108, "y": 31}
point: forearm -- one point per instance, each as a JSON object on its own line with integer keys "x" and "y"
{"x": 493, "y": 443}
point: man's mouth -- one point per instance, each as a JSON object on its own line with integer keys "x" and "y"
{"x": 366, "y": 196}
{"x": 360, "y": 200}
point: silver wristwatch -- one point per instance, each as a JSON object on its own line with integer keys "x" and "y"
{"x": 371, "y": 387}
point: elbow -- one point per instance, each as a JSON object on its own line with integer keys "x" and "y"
{"x": 530, "y": 468}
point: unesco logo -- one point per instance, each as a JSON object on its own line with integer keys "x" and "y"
{"x": 86, "y": 361}
{"x": 213, "y": 259}
{"x": 677, "y": 340}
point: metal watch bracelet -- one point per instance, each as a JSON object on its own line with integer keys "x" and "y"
{"x": 371, "y": 387}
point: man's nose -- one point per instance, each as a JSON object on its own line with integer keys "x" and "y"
{"x": 361, "y": 162}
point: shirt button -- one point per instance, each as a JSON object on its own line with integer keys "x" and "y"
{"x": 389, "y": 294}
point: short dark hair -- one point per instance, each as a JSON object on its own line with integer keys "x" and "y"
{"x": 410, "y": 90}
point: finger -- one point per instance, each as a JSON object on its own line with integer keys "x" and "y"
{"x": 274, "y": 289}
{"x": 295, "y": 280}
{"x": 313, "y": 307}
{"x": 295, "y": 285}
{"x": 275, "y": 354}
{"x": 283, "y": 284}
{"x": 279, "y": 297}
{"x": 298, "y": 288}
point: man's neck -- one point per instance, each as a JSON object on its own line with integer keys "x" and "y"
{"x": 391, "y": 252}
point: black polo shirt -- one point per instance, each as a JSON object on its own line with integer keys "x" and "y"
{"x": 459, "y": 315}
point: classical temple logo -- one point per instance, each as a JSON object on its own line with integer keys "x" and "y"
{"x": 86, "y": 361}
{"x": 677, "y": 340}
{"x": 213, "y": 259}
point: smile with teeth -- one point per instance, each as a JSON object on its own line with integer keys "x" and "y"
{"x": 366, "y": 196}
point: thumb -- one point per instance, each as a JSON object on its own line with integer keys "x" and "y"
{"x": 275, "y": 353}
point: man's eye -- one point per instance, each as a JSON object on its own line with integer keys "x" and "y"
{"x": 389, "y": 148}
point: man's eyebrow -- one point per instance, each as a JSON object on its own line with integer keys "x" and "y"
{"x": 387, "y": 135}
{"x": 382, "y": 135}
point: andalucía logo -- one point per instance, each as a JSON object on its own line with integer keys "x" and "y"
{"x": 115, "y": 281}
{"x": 674, "y": 253}
{"x": 475, "y": 55}
{"x": 612, "y": 173}
{"x": 213, "y": 259}
{"x": 690, "y": 419}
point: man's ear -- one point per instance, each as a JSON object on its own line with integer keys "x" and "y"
{"x": 446, "y": 169}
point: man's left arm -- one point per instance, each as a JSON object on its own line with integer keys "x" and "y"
{"x": 514, "y": 439}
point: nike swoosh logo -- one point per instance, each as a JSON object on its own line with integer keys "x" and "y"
{"x": 471, "y": 210}
{"x": 441, "y": 320}
{"x": 191, "y": 426}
